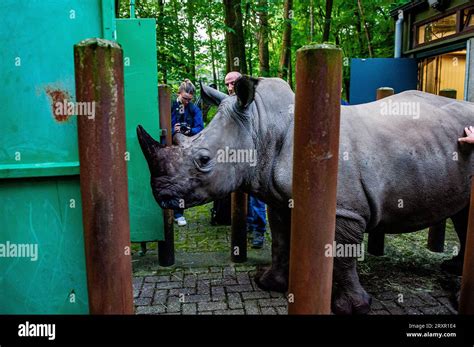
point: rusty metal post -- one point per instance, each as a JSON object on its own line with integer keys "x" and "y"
{"x": 103, "y": 174}
{"x": 376, "y": 241}
{"x": 315, "y": 164}
{"x": 166, "y": 247}
{"x": 466, "y": 302}
{"x": 384, "y": 92}
{"x": 238, "y": 238}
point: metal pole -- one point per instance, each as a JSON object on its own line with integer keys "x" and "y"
{"x": 466, "y": 302}
{"x": 166, "y": 247}
{"x": 239, "y": 228}
{"x": 99, "y": 78}
{"x": 315, "y": 164}
{"x": 132, "y": 8}
{"x": 376, "y": 242}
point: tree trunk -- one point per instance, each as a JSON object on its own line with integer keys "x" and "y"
{"x": 311, "y": 20}
{"x": 161, "y": 33}
{"x": 211, "y": 48}
{"x": 367, "y": 34}
{"x": 191, "y": 48}
{"x": 248, "y": 35}
{"x": 235, "y": 44}
{"x": 327, "y": 20}
{"x": 286, "y": 44}
{"x": 263, "y": 53}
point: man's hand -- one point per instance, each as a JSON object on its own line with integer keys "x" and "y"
{"x": 177, "y": 128}
{"x": 469, "y": 135}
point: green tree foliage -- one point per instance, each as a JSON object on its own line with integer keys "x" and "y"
{"x": 349, "y": 29}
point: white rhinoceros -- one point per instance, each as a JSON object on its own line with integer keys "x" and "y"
{"x": 404, "y": 172}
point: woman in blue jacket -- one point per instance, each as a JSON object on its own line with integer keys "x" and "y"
{"x": 186, "y": 118}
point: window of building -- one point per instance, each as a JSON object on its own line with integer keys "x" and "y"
{"x": 437, "y": 29}
{"x": 468, "y": 18}
{"x": 454, "y": 23}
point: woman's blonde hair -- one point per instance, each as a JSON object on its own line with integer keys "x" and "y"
{"x": 187, "y": 86}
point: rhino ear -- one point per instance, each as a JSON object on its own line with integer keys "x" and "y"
{"x": 149, "y": 146}
{"x": 211, "y": 96}
{"x": 245, "y": 90}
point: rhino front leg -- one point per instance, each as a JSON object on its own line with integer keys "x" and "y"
{"x": 348, "y": 295}
{"x": 275, "y": 278}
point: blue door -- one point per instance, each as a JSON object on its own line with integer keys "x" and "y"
{"x": 367, "y": 75}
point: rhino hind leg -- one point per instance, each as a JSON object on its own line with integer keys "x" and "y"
{"x": 455, "y": 264}
{"x": 349, "y": 297}
{"x": 275, "y": 277}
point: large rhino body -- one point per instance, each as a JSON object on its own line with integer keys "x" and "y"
{"x": 397, "y": 172}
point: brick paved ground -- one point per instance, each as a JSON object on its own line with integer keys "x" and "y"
{"x": 407, "y": 280}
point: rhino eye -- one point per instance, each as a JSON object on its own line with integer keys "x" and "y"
{"x": 204, "y": 160}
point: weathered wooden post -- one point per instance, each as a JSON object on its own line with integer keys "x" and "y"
{"x": 103, "y": 174}
{"x": 384, "y": 92}
{"x": 166, "y": 247}
{"x": 376, "y": 242}
{"x": 436, "y": 234}
{"x": 239, "y": 227}
{"x": 466, "y": 302}
{"x": 315, "y": 164}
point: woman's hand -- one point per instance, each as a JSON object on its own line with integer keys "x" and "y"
{"x": 469, "y": 135}
{"x": 177, "y": 128}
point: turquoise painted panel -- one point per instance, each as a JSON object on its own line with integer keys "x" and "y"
{"x": 138, "y": 40}
{"x": 44, "y": 213}
{"x": 39, "y": 162}
{"x": 37, "y": 71}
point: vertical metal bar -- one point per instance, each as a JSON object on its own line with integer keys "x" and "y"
{"x": 108, "y": 19}
{"x": 166, "y": 254}
{"x": 466, "y": 302}
{"x": 238, "y": 238}
{"x": 132, "y": 8}
{"x": 376, "y": 241}
{"x": 103, "y": 174}
{"x": 315, "y": 164}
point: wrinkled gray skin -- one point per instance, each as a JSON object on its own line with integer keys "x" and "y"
{"x": 390, "y": 158}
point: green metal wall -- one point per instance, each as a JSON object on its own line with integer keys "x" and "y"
{"x": 40, "y": 200}
{"x": 138, "y": 40}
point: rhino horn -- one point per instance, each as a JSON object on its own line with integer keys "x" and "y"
{"x": 149, "y": 146}
{"x": 212, "y": 96}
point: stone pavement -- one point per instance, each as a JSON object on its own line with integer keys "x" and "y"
{"x": 230, "y": 289}
{"x": 407, "y": 280}
{"x": 212, "y": 290}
